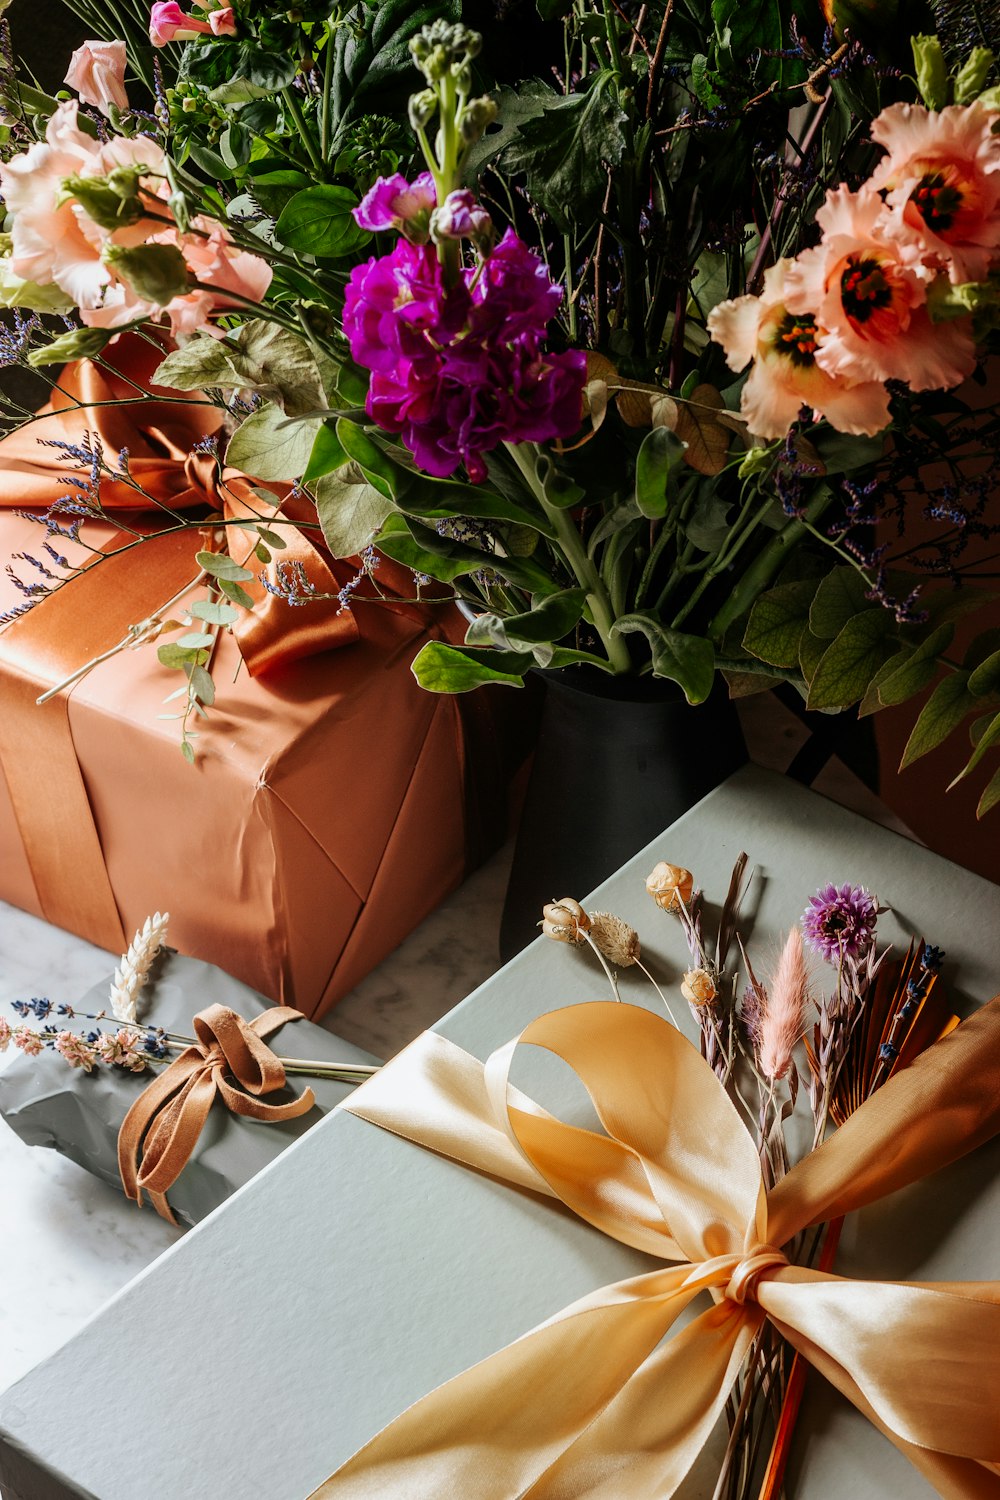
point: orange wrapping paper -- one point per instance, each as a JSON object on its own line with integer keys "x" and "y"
{"x": 329, "y": 810}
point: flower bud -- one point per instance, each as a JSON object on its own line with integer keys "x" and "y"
{"x": 475, "y": 118}
{"x": 421, "y": 108}
{"x": 157, "y": 273}
{"x": 670, "y": 886}
{"x": 931, "y": 70}
{"x": 616, "y": 939}
{"x": 698, "y": 987}
{"x": 970, "y": 80}
{"x": 565, "y": 921}
{"x": 103, "y": 201}
{"x": 460, "y": 217}
{"x": 79, "y": 343}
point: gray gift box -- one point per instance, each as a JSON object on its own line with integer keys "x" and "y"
{"x": 48, "y": 1103}
{"x": 377, "y": 1269}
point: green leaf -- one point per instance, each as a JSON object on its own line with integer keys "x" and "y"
{"x": 418, "y": 547}
{"x": 258, "y": 356}
{"x": 811, "y": 650}
{"x": 686, "y": 659}
{"x": 990, "y": 797}
{"x": 989, "y": 736}
{"x": 708, "y": 525}
{"x": 378, "y": 467}
{"x": 196, "y": 639}
{"x": 986, "y": 677}
{"x": 202, "y": 685}
{"x": 535, "y": 631}
{"x": 327, "y": 453}
{"x": 350, "y": 511}
{"x": 515, "y": 107}
{"x": 273, "y": 190}
{"x": 777, "y": 621}
{"x": 187, "y": 750}
{"x": 843, "y": 452}
{"x": 236, "y": 592}
{"x": 565, "y": 153}
{"x": 268, "y": 446}
{"x": 318, "y": 221}
{"x": 449, "y": 669}
{"x": 656, "y": 465}
{"x": 214, "y": 612}
{"x": 946, "y": 708}
{"x": 222, "y": 566}
{"x": 840, "y": 595}
{"x": 909, "y": 671}
{"x": 171, "y": 654}
{"x": 851, "y": 660}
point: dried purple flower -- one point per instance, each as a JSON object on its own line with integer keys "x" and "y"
{"x": 839, "y": 922}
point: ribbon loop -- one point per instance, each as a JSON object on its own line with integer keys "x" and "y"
{"x": 743, "y": 1282}
{"x": 161, "y": 1130}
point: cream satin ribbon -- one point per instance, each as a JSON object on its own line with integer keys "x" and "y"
{"x": 594, "y": 1402}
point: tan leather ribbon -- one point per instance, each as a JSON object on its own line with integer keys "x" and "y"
{"x": 595, "y": 1402}
{"x": 161, "y": 1129}
{"x": 80, "y": 622}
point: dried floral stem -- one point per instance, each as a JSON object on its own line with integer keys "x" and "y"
{"x": 656, "y": 987}
{"x": 134, "y": 969}
{"x": 605, "y": 966}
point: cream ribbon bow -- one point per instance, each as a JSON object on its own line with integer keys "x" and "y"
{"x": 595, "y": 1402}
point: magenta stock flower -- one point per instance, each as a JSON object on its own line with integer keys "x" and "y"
{"x": 458, "y": 370}
{"x": 394, "y": 203}
{"x": 840, "y": 922}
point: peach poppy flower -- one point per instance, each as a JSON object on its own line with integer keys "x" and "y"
{"x": 870, "y": 299}
{"x": 941, "y": 179}
{"x": 786, "y": 374}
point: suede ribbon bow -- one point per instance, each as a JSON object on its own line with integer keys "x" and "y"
{"x": 161, "y": 1129}
{"x": 596, "y": 1402}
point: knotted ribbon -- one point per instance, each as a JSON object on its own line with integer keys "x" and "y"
{"x": 161, "y": 1129}
{"x": 595, "y": 1402}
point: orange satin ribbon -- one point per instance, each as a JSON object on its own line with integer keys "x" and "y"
{"x": 161, "y": 1129}
{"x": 595, "y": 1402}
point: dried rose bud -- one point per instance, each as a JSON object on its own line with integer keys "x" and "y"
{"x": 565, "y": 921}
{"x": 616, "y": 939}
{"x": 698, "y": 987}
{"x": 670, "y": 886}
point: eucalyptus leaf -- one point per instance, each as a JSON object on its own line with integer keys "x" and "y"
{"x": 214, "y": 612}
{"x": 220, "y": 565}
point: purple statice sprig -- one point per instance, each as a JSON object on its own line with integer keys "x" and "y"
{"x": 839, "y": 922}
{"x": 129, "y": 1047}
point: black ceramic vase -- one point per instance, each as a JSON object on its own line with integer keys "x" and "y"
{"x": 618, "y": 759}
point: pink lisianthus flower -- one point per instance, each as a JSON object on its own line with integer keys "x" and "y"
{"x": 54, "y": 240}
{"x": 784, "y": 347}
{"x": 97, "y": 73}
{"x": 5, "y": 1034}
{"x": 228, "y": 277}
{"x": 870, "y": 299}
{"x": 941, "y": 178}
{"x": 168, "y": 23}
{"x": 394, "y": 203}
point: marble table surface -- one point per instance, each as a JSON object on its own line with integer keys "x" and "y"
{"x": 68, "y": 1242}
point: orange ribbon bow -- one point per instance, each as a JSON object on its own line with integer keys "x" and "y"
{"x": 161, "y": 1129}
{"x": 595, "y": 1402}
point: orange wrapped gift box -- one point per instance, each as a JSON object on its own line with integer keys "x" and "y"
{"x": 331, "y": 805}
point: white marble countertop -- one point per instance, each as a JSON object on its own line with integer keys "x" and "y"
{"x": 68, "y": 1242}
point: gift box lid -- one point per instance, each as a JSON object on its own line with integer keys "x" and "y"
{"x": 358, "y": 1270}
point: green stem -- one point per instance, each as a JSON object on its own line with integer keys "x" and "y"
{"x": 324, "y": 113}
{"x": 298, "y": 119}
{"x": 575, "y": 554}
{"x": 765, "y": 567}
{"x": 738, "y": 538}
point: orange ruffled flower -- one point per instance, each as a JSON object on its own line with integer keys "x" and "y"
{"x": 870, "y": 298}
{"x": 941, "y": 178}
{"x": 785, "y": 347}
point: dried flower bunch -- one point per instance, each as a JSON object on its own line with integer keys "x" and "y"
{"x": 786, "y": 1019}
{"x": 453, "y": 276}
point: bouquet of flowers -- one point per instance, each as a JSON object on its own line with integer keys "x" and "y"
{"x": 656, "y": 340}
